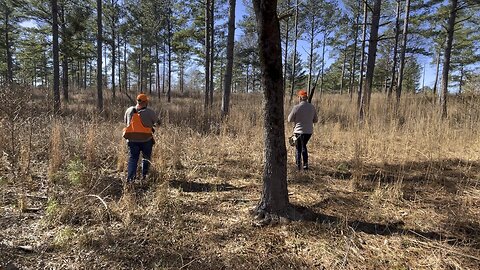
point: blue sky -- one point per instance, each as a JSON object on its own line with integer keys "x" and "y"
{"x": 240, "y": 11}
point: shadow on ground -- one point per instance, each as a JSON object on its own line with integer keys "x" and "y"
{"x": 307, "y": 214}
{"x": 190, "y": 186}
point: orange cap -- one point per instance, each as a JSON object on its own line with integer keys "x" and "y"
{"x": 142, "y": 98}
{"x": 302, "y": 93}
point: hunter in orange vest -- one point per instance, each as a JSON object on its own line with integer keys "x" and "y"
{"x": 140, "y": 121}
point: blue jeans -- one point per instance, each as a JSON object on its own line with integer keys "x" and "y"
{"x": 301, "y": 150}
{"x": 135, "y": 148}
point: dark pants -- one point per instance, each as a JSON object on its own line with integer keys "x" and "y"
{"x": 135, "y": 148}
{"x": 301, "y": 150}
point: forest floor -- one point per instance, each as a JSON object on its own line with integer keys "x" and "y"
{"x": 194, "y": 212}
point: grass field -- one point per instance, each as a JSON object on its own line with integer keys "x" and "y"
{"x": 395, "y": 193}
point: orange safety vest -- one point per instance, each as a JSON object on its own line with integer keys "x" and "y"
{"x": 136, "y": 130}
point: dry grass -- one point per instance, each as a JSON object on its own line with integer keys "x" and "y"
{"x": 395, "y": 193}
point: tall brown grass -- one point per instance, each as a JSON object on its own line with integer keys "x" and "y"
{"x": 196, "y": 150}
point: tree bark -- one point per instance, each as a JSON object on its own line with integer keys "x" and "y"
{"x": 99, "y": 56}
{"x": 55, "y": 51}
{"x": 354, "y": 60}
{"x": 447, "y": 54}
{"x": 212, "y": 51}
{"x": 8, "y": 52}
{"x": 287, "y": 32}
{"x": 310, "y": 59}
{"x": 372, "y": 54}
{"x": 227, "y": 82}
{"x": 207, "y": 53}
{"x": 169, "y": 90}
{"x": 64, "y": 50}
{"x": 344, "y": 65}
{"x": 395, "y": 49}
{"x": 402, "y": 55}
{"x": 275, "y": 194}
{"x": 294, "y": 60}
{"x": 437, "y": 70}
{"x": 157, "y": 70}
{"x": 362, "y": 58}
{"x": 140, "y": 66}
{"x": 114, "y": 58}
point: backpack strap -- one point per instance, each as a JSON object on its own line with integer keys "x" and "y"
{"x": 133, "y": 112}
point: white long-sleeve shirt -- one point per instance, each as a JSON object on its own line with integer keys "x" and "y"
{"x": 303, "y": 115}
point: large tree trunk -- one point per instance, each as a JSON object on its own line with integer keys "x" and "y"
{"x": 294, "y": 60}
{"x": 372, "y": 54}
{"x": 99, "y": 56}
{"x": 447, "y": 54}
{"x": 402, "y": 55}
{"x": 56, "y": 67}
{"x": 362, "y": 61}
{"x": 275, "y": 194}
{"x": 395, "y": 49}
{"x": 227, "y": 82}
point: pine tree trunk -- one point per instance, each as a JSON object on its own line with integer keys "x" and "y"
{"x": 310, "y": 58}
{"x": 227, "y": 82}
{"x": 402, "y": 55}
{"x": 207, "y": 53}
{"x": 169, "y": 91}
{"x": 8, "y": 52}
{"x": 344, "y": 65}
{"x": 149, "y": 70}
{"x": 114, "y": 59}
{"x": 140, "y": 66}
{"x": 274, "y": 194}
{"x": 362, "y": 58}
{"x": 55, "y": 51}
{"x": 437, "y": 70}
{"x": 119, "y": 46}
{"x": 395, "y": 49}
{"x": 99, "y": 56}
{"x": 372, "y": 54}
{"x": 294, "y": 60}
{"x": 64, "y": 50}
{"x": 125, "y": 70}
{"x": 354, "y": 60}
{"x": 447, "y": 54}
{"x": 287, "y": 32}
{"x": 157, "y": 64}
{"x": 212, "y": 51}
{"x": 164, "y": 67}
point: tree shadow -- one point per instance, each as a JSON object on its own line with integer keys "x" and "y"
{"x": 447, "y": 173}
{"x": 190, "y": 186}
{"x": 307, "y": 214}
